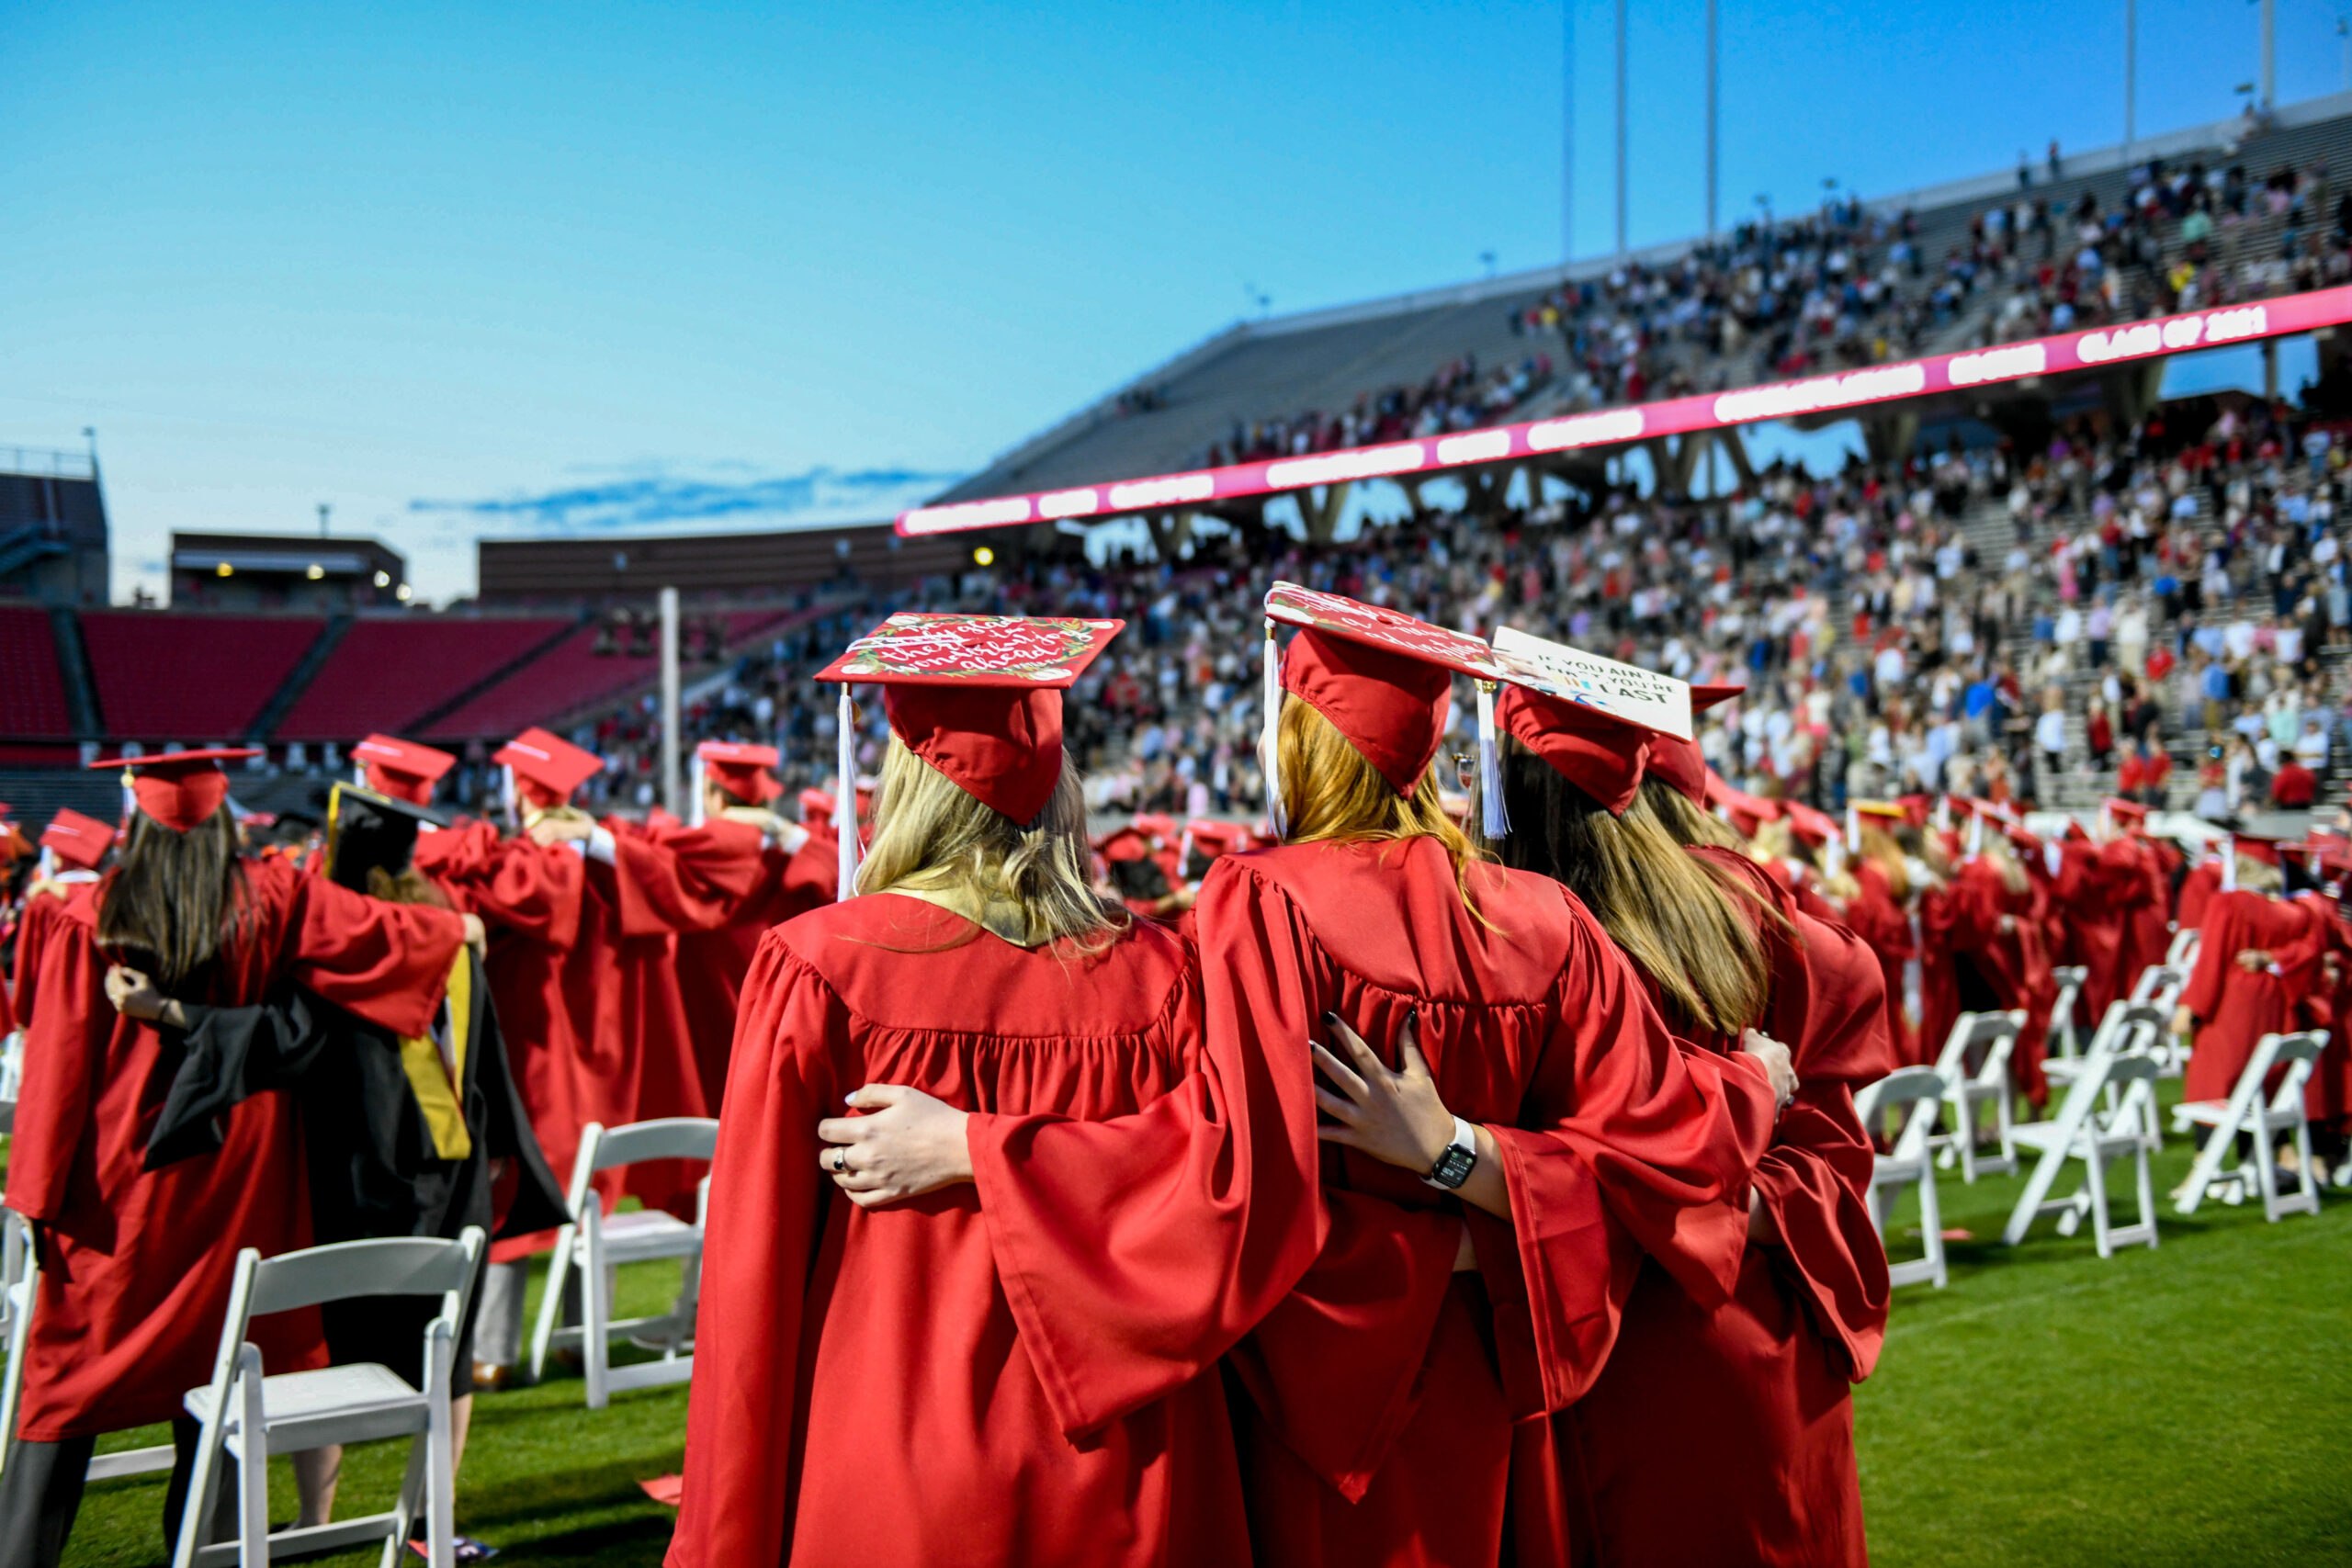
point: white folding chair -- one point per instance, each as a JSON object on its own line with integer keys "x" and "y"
{"x": 2181, "y": 954}
{"x": 2245, "y": 1111}
{"x": 596, "y": 1243}
{"x": 1914, "y": 1092}
{"x": 246, "y": 1415}
{"x": 1985, "y": 1039}
{"x": 2060, "y": 1044}
{"x": 12, "y": 1072}
{"x": 19, "y": 1290}
{"x": 2087, "y": 1129}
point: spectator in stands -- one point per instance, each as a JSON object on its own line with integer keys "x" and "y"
{"x": 2294, "y": 787}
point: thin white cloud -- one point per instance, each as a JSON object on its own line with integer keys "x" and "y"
{"x": 651, "y": 495}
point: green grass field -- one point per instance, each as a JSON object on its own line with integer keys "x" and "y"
{"x": 2189, "y": 1405}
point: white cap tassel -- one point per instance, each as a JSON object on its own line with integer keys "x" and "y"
{"x": 2229, "y": 866}
{"x": 1975, "y": 834}
{"x": 845, "y": 799}
{"x": 1269, "y": 741}
{"x": 1494, "y": 818}
{"x": 1854, "y": 826}
{"x": 694, "y": 791}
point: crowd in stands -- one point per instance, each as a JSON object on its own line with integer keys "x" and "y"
{"x": 1458, "y": 397}
{"x": 1994, "y": 621}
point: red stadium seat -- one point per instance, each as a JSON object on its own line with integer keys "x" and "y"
{"x": 190, "y": 678}
{"x": 32, "y": 699}
{"x": 387, "y": 674}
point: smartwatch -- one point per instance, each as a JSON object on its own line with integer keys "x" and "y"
{"x": 1456, "y": 1160}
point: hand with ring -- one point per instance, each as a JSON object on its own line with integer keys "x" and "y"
{"x": 907, "y": 1144}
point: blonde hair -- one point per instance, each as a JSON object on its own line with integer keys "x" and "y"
{"x": 1335, "y": 795}
{"x": 1685, "y": 923}
{"x": 1996, "y": 847}
{"x": 1879, "y": 848}
{"x": 933, "y": 836}
{"x": 1683, "y": 818}
{"x": 2259, "y": 877}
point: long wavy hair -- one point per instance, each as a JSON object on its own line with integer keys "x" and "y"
{"x": 1689, "y": 926}
{"x": 932, "y": 836}
{"x": 174, "y": 899}
{"x": 1334, "y": 795}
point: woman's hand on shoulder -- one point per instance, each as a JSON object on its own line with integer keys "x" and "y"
{"x": 907, "y": 1144}
{"x": 1396, "y": 1118}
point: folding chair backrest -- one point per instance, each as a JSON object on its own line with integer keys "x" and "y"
{"x": 672, "y": 1137}
{"x": 2159, "y": 985}
{"x": 2182, "y": 953}
{"x": 2301, "y": 1053}
{"x": 2070, "y": 978}
{"x": 7, "y": 1117}
{"x": 1961, "y": 1058}
{"x": 399, "y": 1266}
{"x": 2139, "y": 1028}
{"x": 1904, "y": 1089}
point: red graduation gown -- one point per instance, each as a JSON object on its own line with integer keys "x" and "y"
{"x": 1396, "y": 1409}
{"x": 40, "y": 919}
{"x": 2147, "y": 920}
{"x": 2234, "y": 1009}
{"x": 2328, "y": 1098}
{"x": 2197, "y": 890}
{"x": 136, "y": 1264}
{"x": 1961, "y": 924}
{"x": 1017, "y": 1372}
{"x": 2101, "y": 885}
{"x": 529, "y": 896}
{"x": 1750, "y": 1396}
{"x": 1875, "y": 917}
{"x": 712, "y": 963}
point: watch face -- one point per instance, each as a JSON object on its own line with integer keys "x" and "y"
{"x": 1452, "y": 1168}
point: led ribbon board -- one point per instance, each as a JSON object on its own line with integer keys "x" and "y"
{"x": 1673, "y": 416}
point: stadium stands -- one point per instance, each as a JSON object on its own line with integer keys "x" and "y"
{"x": 387, "y": 674}
{"x": 190, "y": 678}
{"x": 32, "y": 698}
{"x": 578, "y": 672}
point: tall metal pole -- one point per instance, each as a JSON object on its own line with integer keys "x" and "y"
{"x": 1567, "y": 131}
{"x": 1621, "y": 127}
{"x": 1715, "y": 60}
{"x": 324, "y": 510}
{"x": 670, "y": 799}
{"x": 2130, "y": 76}
{"x": 2269, "y": 55}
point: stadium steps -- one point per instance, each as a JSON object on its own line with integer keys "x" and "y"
{"x": 424, "y": 723}
{"x": 34, "y": 795}
{"x": 74, "y": 665}
{"x": 298, "y": 680}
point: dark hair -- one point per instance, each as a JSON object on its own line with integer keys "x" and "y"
{"x": 175, "y": 899}
{"x": 1681, "y": 921}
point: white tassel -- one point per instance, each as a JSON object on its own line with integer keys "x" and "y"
{"x": 1494, "y": 818}
{"x": 1943, "y": 814}
{"x": 506, "y": 794}
{"x": 846, "y": 797}
{"x": 2230, "y": 867}
{"x": 1269, "y": 738}
{"x": 1975, "y": 834}
{"x": 1854, "y": 826}
{"x": 694, "y": 792}
{"x": 48, "y": 866}
{"x": 1833, "y": 858}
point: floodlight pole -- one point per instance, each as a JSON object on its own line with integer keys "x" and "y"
{"x": 1715, "y": 72}
{"x": 1621, "y": 249}
{"x": 1567, "y": 131}
{"x": 2130, "y": 76}
{"x": 669, "y": 800}
{"x": 2269, "y": 55}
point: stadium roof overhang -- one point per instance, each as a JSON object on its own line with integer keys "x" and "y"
{"x": 1813, "y": 400}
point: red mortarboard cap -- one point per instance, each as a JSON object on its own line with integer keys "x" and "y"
{"x": 1591, "y": 750}
{"x": 548, "y": 768}
{"x": 1681, "y": 762}
{"x": 2129, "y": 811}
{"x": 180, "y": 789}
{"x": 2254, "y": 847}
{"x": 1747, "y": 812}
{"x": 1154, "y": 825}
{"x": 1122, "y": 844}
{"x": 77, "y": 840}
{"x": 1815, "y": 827}
{"x": 743, "y": 770}
{"x": 979, "y": 697}
{"x": 1214, "y": 837}
{"x": 815, "y": 808}
{"x": 1915, "y": 809}
{"x": 1383, "y": 678}
{"x": 403, "y": 769}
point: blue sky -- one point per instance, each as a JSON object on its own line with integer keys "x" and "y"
{"x": 458, "y": 269}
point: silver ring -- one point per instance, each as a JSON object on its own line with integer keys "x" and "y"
{"x": 841, "y": 1162}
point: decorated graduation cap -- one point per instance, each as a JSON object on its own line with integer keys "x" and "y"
{"x": 742, "y": 770}
{"x": 400, "y": 769}
{"x": 180, "y": 789}
{"x": 979, "y": 697}
{"x": 1681, "y": 762}
{"x": 78, "y": 840}
{"x": 546, "y": 767}
{"x": 1383, "y": 678}
{"x": 1598, "y": 723}
{"x": 367, "y": 828}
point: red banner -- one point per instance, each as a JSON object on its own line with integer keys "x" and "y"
{"x": 1675, "y": 417}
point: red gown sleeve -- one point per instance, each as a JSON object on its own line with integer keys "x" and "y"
{"x": 1136, "y": 1251}
{"x": 692, "y": 880}
{"x": 1828, "y": 994}
{"x": 387, "y": 963}
{"x": 512, "y": 884}
{"x": 66, "y": 1046}
{"x": 2217, "y": 953}
{"x": 766, "y": 1222}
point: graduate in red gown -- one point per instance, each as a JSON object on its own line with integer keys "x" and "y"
{"x": 1397, "y": 1398}
{"x": 136, "y": 1264}
{"x": 1879, "y": 913}
{"x": 2255, "y": 949}
{"x": 73, "y": 849}
{"x": 794, "y": 874}
{"x": 992, "y": 1340}
{"x": 1750, "y": 1393}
